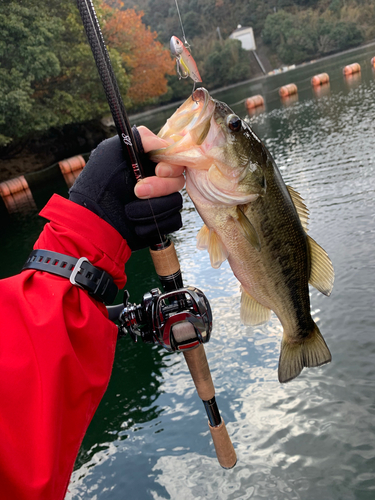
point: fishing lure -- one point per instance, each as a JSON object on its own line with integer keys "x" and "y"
{"x": 186, "y": 66}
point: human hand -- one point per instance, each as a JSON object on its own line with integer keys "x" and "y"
{"x": 106, "y": 187}
{"x": 168, "y": 179}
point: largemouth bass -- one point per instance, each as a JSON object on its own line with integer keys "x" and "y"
{"x": 255, "y": 221}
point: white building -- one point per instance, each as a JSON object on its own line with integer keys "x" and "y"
{"x": 245, "y": 36}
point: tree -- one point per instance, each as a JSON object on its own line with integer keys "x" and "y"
{"x": 48, "y": 76}
{"x": 144, "y": 58}
{"x": 26, "y": 56}
{"x": 227, "y": 63}
{"x": 302, "y": 36}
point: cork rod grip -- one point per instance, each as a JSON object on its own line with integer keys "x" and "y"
{"x": 223, "y": 446}
{"x": 200, "y": 372}
{"x": 165, "y": 261}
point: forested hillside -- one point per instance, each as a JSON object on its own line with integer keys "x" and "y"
{"x": 291, "y": 31}
{"x": 48, "y": 77}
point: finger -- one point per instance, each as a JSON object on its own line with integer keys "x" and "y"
{"x": 167, "y": 170}
{"x": 153, "y": 187}
{"x": 150, "y": 141}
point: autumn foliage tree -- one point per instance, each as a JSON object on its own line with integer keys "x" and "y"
{"x": 143, "y": 57}
{"x": 48, "y": 77}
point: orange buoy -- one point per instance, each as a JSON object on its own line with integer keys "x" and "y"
{"x": 254, "y": 101}
{"x": 351, "y": 69}
{"x": 72, "y": 164}
{"x": 373, "y": 61}
{"x": 13, "y": 186}
{"x": 320, "y": 79}
{"x": 71, "y": 168}
{"x": 288, "y": 90}
{"x": 16, "y": 194}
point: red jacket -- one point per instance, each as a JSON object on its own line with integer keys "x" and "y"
{"x": 56, "y": 354}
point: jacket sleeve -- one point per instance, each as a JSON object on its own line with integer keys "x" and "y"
{"x": 56, "y": 355}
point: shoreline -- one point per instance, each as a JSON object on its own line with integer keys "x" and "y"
{"x": 82, "y": 138}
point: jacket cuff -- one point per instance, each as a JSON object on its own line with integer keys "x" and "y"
{"x": 76, "y": 231}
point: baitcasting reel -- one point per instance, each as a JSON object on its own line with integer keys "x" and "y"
{"x": 178, "y": 320}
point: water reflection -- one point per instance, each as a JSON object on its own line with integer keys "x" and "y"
{"x": 289, "y": 100}
{"x": 256, "y": 111}
{"x": 353, "y": 80}
{"x": 322, "y": 90}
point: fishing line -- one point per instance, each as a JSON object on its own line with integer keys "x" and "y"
{"x": 182, "y": 27}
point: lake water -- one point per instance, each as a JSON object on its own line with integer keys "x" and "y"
{"x": 311, "y": 438}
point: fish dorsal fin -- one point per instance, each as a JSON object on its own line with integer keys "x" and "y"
{"x": 302, "y": 210}
{"x": 247, "y": 229}
{"x": 252, "y": 312}
{"x": 322, "y": 274}
{"x": 208, "y": 239}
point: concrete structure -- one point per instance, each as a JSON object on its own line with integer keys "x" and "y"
{"x": 245, "y": 36}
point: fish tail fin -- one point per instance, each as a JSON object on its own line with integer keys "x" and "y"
{"x": 294, "y": 356}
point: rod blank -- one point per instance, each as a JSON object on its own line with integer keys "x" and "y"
{"x": 110, "y": 86}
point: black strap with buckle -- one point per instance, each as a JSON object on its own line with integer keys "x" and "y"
{"x": 80, "y": 272}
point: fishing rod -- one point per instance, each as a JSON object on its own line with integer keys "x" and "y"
{"x": 165, "y": 261}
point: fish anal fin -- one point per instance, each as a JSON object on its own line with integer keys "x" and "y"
{"x": 252, "y": 312}
{"x": 247, "y": 229}
{"x": 322, "y": 274}
{"x": 294, "y": 356}
{"x": 208, "y": 239}
{"x": 302, "y": 210}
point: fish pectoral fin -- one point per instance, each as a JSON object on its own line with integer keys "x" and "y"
{"x": 294, "y": 356}
{"x": 203, "y": 238}
{"x": 322, "y": 274}
{"x": 252, "y": 312}
{"x": 247, "y": 229}
{"x": 302, "y": 210}
{"x": 208, "y": 239}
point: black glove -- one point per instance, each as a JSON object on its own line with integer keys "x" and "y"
{"x": 106, "y": 187}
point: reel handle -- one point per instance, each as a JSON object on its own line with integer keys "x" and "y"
{"x": 168, "y": 269}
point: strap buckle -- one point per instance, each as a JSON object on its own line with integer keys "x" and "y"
{"x": 80, "y": 272}
{"x": 76, "y": 270}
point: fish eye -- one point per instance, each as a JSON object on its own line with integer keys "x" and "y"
{"x": 234, "y": 123}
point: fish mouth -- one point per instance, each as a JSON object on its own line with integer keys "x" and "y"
{"x": 203, "y": 107}
{"x": 201, "y": 95}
